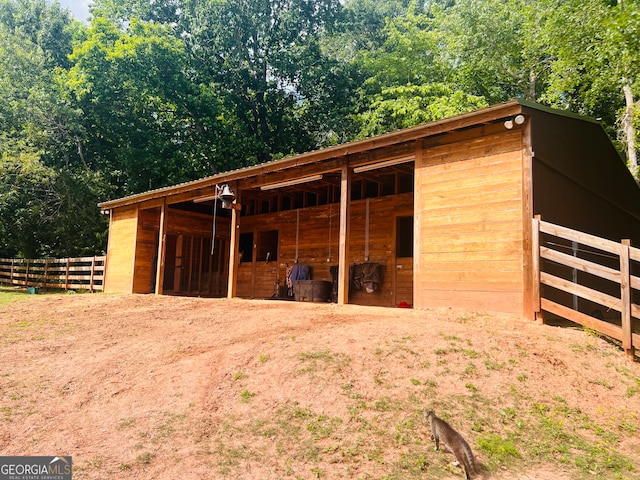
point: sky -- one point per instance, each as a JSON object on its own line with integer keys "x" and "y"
{"x": 79, "y": 8}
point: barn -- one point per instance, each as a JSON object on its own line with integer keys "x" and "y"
{"x": 435, "y": 215}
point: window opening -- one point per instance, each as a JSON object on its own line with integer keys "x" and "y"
{"x": 404, "y": 237}
{"x": 246, "y": 247}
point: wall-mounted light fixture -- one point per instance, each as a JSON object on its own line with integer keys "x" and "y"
{"x": 386, "y": 163}
{"x": 288, "y": 183}
{"x": 517, "y": 120}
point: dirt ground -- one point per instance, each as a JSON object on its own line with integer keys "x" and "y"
{"x": 141, "y": 387}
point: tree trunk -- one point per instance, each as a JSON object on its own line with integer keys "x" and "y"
{"x": 629, "y": 130}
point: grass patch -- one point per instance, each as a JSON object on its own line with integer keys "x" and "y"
{"x": 491, "y": 364}
{"x": 498, "y": 449}
{"x": 246, "y": 396}
{"x": 322, "y": 360}
{"x": 9, "y": 295}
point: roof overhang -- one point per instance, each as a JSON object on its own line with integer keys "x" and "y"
{"x": 467, "y": 120}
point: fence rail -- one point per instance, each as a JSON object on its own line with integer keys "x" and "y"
{"x": 588, "y": 280}
{"x": 84, "y": 273}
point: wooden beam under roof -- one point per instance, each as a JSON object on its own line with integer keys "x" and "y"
{"x": 252, "y": 175}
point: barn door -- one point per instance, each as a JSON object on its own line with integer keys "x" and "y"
{"x": 403, "y": 271}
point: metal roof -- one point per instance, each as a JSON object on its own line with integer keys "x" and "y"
{"x": 484, "y": 115}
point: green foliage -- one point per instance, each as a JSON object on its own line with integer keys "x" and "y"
{"x": 498, "y": 448}
{"x": 496, "y": 47}
{"x": 407, "y": 106}
{"x": 156, "y": 93}
{"x": 266, "y": 58}
{"x": 45, "y": 212}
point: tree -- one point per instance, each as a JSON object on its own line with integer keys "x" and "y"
{"x": 121, "y": 12}
{"x": 407, "y": 106}
{"x": 45, "y": 212}
{"x": 45, "y": 24}
{"x": 40, "y": 137}
{"x": 27, "y": 201}
{"x": 595, "y": 44}
{"x": 258, "y": 53}
{"x": 151, "y": 125}
{"x": 496, "y": 47}
{"x": 409, "y": 81}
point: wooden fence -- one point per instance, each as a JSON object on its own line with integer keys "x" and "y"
{"x": 86, "y": 273}
{"x": 588, "y": 280}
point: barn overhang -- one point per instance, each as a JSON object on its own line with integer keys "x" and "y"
{"x": 321, "y": 173}
{"x": 329, "y": 160}
{"x": 466, "y": 184}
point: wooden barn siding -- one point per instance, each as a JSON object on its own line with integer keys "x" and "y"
{"x": 193, "y": 228}
{"x": 471, "y": 232}
{"x": 181, "y": 222}
{"x": 146, "y": 250}
{"x": 135, "y": 231}
{"x": 403, "y": 280}
{"x": 121, "y": 248}
{"x": 318, "y": 246}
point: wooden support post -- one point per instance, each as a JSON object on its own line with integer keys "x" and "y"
{"x": 343, "y": 243}
{"x": 13, "y": 264}
{"x": 200, "y": 266}
{"x": 26, "y": 277}
{"x": 625, "y": 298}
{"x": 419, "y": 300}
{"x": 233, "y": 252}
{"x": 66, "y": 275}
{"x": 535, "y": 267}
{"x": 162, "y": 248}
{"x": 177, "y": 273}
{"x": 191, "y": 264}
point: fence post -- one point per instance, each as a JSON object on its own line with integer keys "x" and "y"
{"x": 13, "y": 266}
{"x": 93, "y": 269}
{"x": 625, "y": 298}
{"x": 535, "y": 264}
{"x": 66, "y": 277}
{"x": 26, "y": 276}
{"x": 46, "y": 273}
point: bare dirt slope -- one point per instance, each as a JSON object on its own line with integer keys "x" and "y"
{"x": 141, "y": 387}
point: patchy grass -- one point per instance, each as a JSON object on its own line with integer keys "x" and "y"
{"x": 389, "y": 431}
{"x": 297, "y": 405}
{"x": 9, "y": 295}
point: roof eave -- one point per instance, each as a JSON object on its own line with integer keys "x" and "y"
{"x": 465, "y": 120}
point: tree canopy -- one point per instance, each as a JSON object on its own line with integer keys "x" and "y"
{"x": 149, "y": 94}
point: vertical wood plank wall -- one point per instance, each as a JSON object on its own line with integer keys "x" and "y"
{"x": 318, "y": 246}
{"x": 471, "y": 238}
{"x": 120, "y": 254}
{"x": 135, "y": 233}
{"x": 193, "y": 252}
{"x": 146, "y": 250}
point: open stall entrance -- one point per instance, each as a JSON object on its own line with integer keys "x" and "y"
{"x": 191, "y": 268}
{"x": 290, "y": 233}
